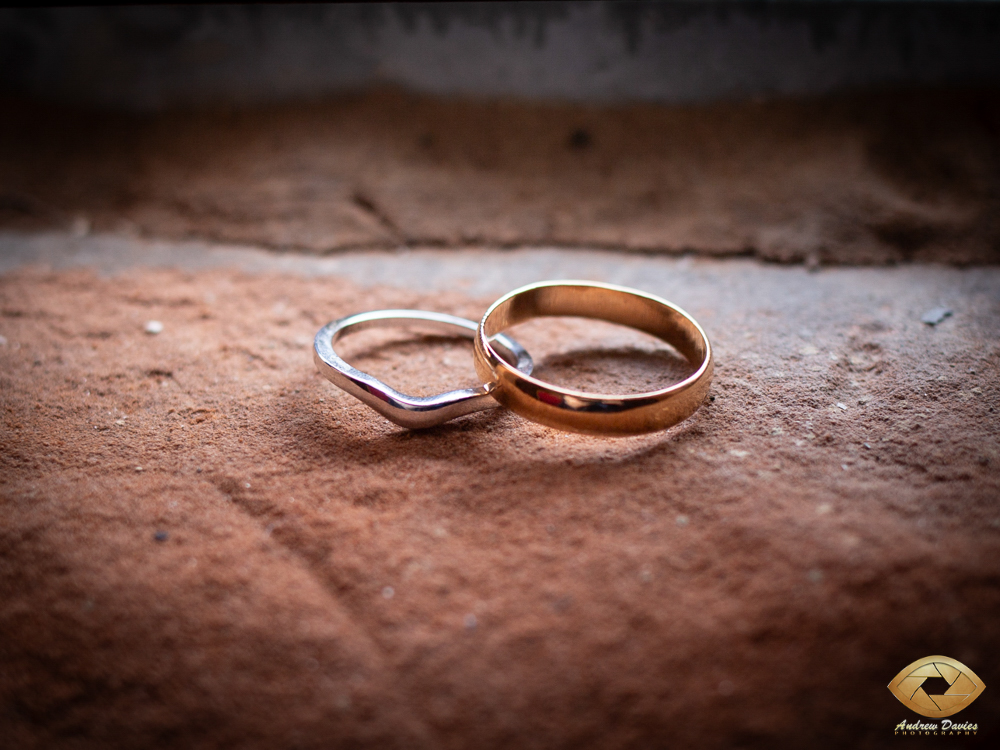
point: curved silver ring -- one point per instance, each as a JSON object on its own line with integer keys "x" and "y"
{"x": 414, "y": 412}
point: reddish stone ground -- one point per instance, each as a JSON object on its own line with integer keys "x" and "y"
{"x": 204, "y": 544}
{"x": 870, "y": 178}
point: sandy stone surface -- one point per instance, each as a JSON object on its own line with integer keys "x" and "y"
{"x": 874, "y": 178}
{"x": 204, "y": 544}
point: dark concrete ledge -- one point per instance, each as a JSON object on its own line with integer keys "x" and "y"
{"x": 152, "y": 57}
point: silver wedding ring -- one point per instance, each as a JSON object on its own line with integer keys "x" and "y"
{"x": 413, "y": 412}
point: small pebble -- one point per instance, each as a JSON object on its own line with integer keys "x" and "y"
{"x": 682, "y": 520}
{"x": 154, "y": 327}
{"x": 388, "y": 592}
{"x": 842, "y": 406}
{"x": 161, "y": 536}
{"x": 138, "y": 468}
{"x": 935, "y": 315}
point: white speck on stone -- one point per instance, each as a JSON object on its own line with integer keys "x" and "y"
{"x": 246, "y": 485}
{"x": 3, "y": 341}
{"x": 154, "y": 327}
{"x": 470, "y": 621}
{"x": 808, "y": 350}
{"x": 842, "y": 406}
{"x": 388, "y": 592}
{"x": 815, "y": 575}
{"x": 645, "y": 576}
{"x": 682, "y": 520}
{"x": 867, "y": 446}
{"x": 834, "y": 357}
{"x": 138, "y": 468}
{"x": 844, "y": 467}
{"x": 824, "y": 508}
{"x": 440, "y": 532}
{"x": 739, "y": 453}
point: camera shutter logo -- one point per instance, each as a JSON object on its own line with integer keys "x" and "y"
{"x": 936, "y": 686}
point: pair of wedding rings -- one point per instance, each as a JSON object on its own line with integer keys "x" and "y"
{"x": 505, "y": 367}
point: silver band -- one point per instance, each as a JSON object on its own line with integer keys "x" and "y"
{"x": 413, "y": 412}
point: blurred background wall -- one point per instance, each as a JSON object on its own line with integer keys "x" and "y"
{"x": 157, "y": 56}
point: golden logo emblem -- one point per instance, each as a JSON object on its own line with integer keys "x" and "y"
{"x": 936, "y": 686}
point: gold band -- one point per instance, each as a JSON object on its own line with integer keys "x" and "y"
{"x": 592, "y": 413}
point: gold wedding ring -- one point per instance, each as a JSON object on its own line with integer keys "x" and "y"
{"x": 594, "y": 413}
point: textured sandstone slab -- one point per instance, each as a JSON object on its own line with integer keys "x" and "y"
{"x": 873, "y": 178}
{"x": 203, "y": 543}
